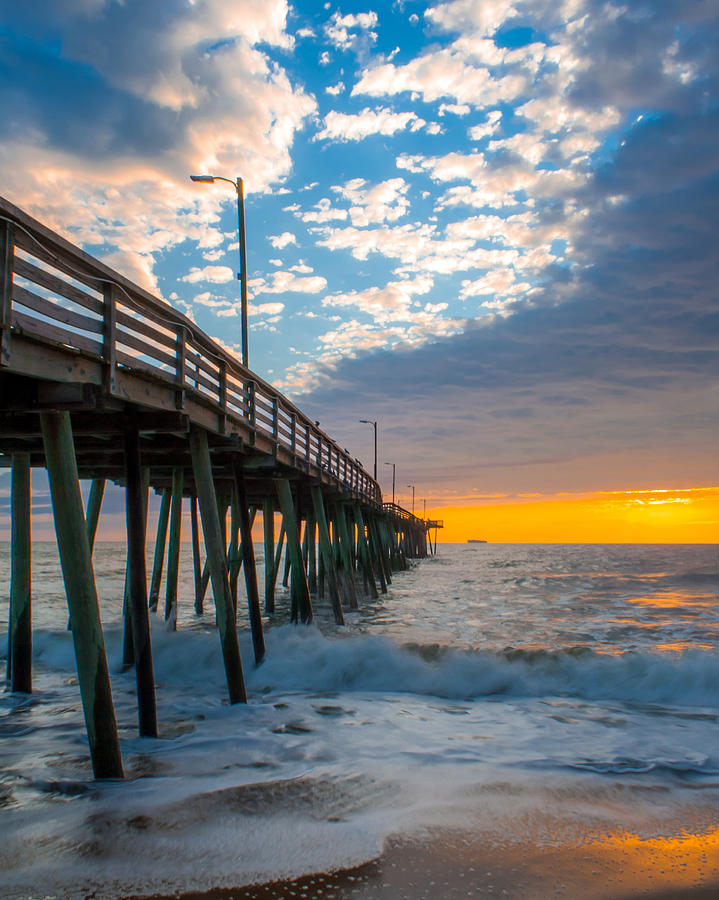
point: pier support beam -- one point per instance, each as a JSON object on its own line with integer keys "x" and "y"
{"x": 248, "y": 562}
{"x": 196, "y": 564}
{"x": 217, "y": 563}
{"x": 159, "y": 555}
{"x": 81, "y": 593}
{"x": 326, "y": 556}
{"x": 294, "y": 550}
{"x": 136, "y": 511}
{"x": 345, "y": 550}
{"x": 173, "y": 553}
{"x": 20, "y": 625}
{"x": 268, "y": 524}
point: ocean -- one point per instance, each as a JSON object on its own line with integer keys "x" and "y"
{"x": 522, "y": 695}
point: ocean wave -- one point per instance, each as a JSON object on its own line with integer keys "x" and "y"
{"x": 303, "y": 659}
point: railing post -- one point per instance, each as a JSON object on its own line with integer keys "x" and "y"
{"x": 308, "y": 441}
{"x": 222, "y": 393}
{"x": 180, "y": 357}
{"x": 276, "y": 421}
{"x": 109, "y": 336}
{"x": 293, "y": 433}
{"x": 7, "y": 259}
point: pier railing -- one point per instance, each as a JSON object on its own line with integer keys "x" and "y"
{"x": 54, "y": 294}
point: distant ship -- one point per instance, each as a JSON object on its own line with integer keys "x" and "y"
{"x": 475, "y": 541}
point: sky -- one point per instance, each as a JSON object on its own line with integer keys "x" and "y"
{"x": 489, "y": 225}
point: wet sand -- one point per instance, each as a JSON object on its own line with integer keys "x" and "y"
{"x": 451, "y": 865}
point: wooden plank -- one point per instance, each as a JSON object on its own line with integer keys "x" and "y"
{"x": 57, "y": 285}
{"x": 35, "y": 327}
{"x": 143, "y": 325}
{"x": 55, "y": 311}
{"x": 173, "y": 553}
{"x": 123, "y": 338}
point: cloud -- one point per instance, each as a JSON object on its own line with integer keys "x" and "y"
{"x": 383, "y": 202}
{"x": 349, "y": 31}
{"x": 214, "y": 274}
{"x": 288, "y": 282}
{"x": 103, "y": 142}
{"x": 280, "y": 241}
{"x": 340, "y": 126}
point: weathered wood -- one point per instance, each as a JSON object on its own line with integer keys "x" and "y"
{"x": 327, "y": 556}
{"x": 248, "y": 558}
{"x": 196, "y": 564}
{"x": 94, "y": 505}
{"x": 159, "y": 553}
{"x": 364, "y": 553}
{"x": 81, "y": 593}
{"x": 20, "y": 626}
{"x": 284, "y": 493}
{"x": 278, "y": 552}
{"x": 217, "y": 560}
{"x": 268, "y": 523}
{"x": 173, "y": 553}
{"x": 311, "y": 532}
{"x": 7, "y": 261}
{"x": 344, "y": 548}
{"x": 136, "y": 512}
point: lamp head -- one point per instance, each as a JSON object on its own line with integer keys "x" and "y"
{"x": 205, "y": 179}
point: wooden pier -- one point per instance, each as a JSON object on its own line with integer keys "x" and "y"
{"x": 101, "y": 380}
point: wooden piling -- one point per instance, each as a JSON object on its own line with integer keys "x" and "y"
{"x": 268, "y": 524}
{"x": 248, "y": 558}
{"x": 327, "y": 566}
{"x": 20, "y": 625}
{"x": 173, "y": 552}
{"x": 217, "y": 561}
{"x": 136, "y": 511}
{"x": 159, "y": 554}
{"x": 94, "y": 504}
{"x": 196, "y": 564}
{"x": 364, "y": 555}
{"x": 345, "y": 555}
{"x": 294, "y": 550}
{"x": 81, "y": 594}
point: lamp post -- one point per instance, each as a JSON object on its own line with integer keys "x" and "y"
{"x": 242, "y": 274}
{"x": 368, "y": 422}
{"x": 393, "y": 473}
{"x": 412, "y": 486}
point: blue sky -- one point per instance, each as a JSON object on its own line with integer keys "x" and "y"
{"x": 490, "y": 225}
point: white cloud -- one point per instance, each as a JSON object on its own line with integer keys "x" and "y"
{"x": 287, "y": 282}
{"x": 344, "y": 32}
{"x": 323, "y": 212}
{"x": 390, "y": 303}
{"x": 335, "y": 89}
{"x": 357, "y": 126}
{"x": 264, "y": 309}
{"x": 383, "y": 202}
{"x": 280, "y": 241}
{"x": 214, "y": 274}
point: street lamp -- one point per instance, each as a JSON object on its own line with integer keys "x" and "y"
{"x": 242, "y": 274}
{"x": 368, "y": 422}
{"x": 412, "y": 486}
{"x": 393, "y": 472}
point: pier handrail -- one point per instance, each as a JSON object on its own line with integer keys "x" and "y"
{"x": 53, "y": 292}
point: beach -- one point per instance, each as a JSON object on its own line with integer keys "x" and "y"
{"x": 512, "y": 720}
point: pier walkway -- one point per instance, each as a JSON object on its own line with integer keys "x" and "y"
{"x": 101, "y": 380}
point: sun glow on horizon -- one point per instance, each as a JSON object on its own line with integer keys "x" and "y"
{"x": 662, "y": 515}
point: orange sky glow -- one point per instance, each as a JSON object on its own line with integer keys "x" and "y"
{"x": 666, "y": 515}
